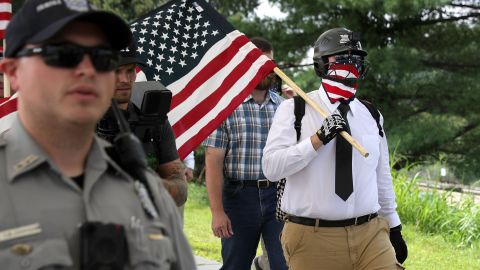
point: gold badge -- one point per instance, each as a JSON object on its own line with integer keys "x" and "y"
{"x": 22, "y": 249}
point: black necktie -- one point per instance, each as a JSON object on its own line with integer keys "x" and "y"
{"x": 343, "y": 161}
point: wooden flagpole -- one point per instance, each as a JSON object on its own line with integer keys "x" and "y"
{"x": 319, "y": 109}
{"x": 6, "y": 84}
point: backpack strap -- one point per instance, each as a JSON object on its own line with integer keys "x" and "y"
{"x": 375, "y": 114}
{"x": 299, "y": 110}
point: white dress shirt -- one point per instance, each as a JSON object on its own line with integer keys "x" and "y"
{"x": 310, "y": 174}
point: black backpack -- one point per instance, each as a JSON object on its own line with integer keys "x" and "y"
{"x": 299, "y": 105}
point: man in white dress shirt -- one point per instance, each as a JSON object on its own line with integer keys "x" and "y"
{"x": 341, "y": 206}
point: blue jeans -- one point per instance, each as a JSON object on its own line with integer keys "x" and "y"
{"x": 252, "y": 213}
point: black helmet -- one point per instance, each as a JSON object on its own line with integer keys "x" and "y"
{"x": 333, "y": 42}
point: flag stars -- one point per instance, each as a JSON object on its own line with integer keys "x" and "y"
{"x": 156, "y": 78}
{"x": 199, "y": 16}
{"x": 170, "y": 11}
{"x": 149, "y": 62}
{"x": 184, "y": 45}
{"x": 204, "y": 33}
{"x": 145, "y": 23}
{"x": 189, "y": 18}
{"x": 194, "y": 55}
{"x": 184, "y": 53}
{"x": 133, "y": 29}
{"x": 169, "y": 71}
{"x": 175, "y": 39}
{"x": 143, "y": 31}
{"x": 204, "y": 42}
{"x": 195, "y": 45}
{"x": 182, "y": 63}
{"x": 195, "y": 36}
{"x": 140, "y": 50}
{"x": 176, "y": 31}
{"x": 178, "y": 23}
{"x": 186, "y": 36}
{"x": 190, "y": 9}
{"x": 215, "y": 32}
{"x": 197, "y": 25}
{"x": 206, "y": 24}
{"x": 152, "y": 43}
{"x": 180, "y": 14}
{"x": 164, "y": 36}
{"x": 166, "y": 26}
{"x": 155, "y": 32}
{"x": 150, "y": 52}
{"x": 169, "y": 17}
{"x": 160, "y": 57}
{"x": 156, "y": 24}
{"x": 187, "y": 28}
{"x": 173, "y": 49}
{"x": 162, "y": 46}
{"x": 171, "y": 59}
{"x": 158, "y": 68}
{"x": 141, "y": 40}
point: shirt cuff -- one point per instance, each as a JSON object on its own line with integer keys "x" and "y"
{"x": 393, "y": 219}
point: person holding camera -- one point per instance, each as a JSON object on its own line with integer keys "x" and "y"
{"x": 340, "y": 206}
{"x": 158, "y": 139}
{"x": 65, "y": 202}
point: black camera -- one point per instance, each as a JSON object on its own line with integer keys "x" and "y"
{"x": 151, "y": 103}
{"x": 102, "y": 246}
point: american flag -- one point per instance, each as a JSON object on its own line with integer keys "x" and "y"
{"x": 209, "y": 66}
{"x": 5, "y": 15}
{"x": 8, "y": 108}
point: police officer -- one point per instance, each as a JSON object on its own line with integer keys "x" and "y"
{"x": 158, "y": 141}
{"x": 55, "y": 175}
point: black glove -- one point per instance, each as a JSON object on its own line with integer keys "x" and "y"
{"x": 331, "y": 126}
{"x": 398, "y": 243}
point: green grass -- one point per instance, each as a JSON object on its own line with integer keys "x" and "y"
{"x": 447, "y": 247}
{"x": 197, "y": 225}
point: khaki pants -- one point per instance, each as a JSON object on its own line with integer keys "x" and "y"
{"x": 364, "y": 247}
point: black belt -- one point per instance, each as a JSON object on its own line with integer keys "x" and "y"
{"x": 331, "y": 223}
{"x": 264, "y": 183}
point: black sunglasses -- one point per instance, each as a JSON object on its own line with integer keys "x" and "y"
{"x": 68, "y": 55}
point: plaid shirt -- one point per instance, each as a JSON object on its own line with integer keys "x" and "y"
{"x": 244, "y": 134}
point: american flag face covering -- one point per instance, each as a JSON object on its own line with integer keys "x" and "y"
{"x": 337, "y": 91}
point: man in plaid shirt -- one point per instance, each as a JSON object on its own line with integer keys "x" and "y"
{"x": 242, "y": 200}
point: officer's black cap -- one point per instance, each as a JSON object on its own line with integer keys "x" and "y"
{"x": 39, "y": 20}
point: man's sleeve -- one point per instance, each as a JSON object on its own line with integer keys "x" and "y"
{"x": 167, "y": 147}
{"x": 218, "y": 138}
{"x": 386, "y": 193}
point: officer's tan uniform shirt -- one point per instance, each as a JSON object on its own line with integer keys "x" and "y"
{"x": 41, "y": 210}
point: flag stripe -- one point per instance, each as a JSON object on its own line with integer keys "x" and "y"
{"x": 217, "y": 48}
{"x": 194, "y": 140}
{"x": 210, "y": 85}
{"x": 8, "y": 107}
{"x": 5, "y": 16}
{"x": 5, "y": 6}
{"x": 258, "y": 70}
{"x": 209, "y": 103}
{"x": 209, "y": 70}
{"x": 338, "y": 88}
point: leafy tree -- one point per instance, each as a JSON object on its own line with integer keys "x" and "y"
{"x": 423, "y": 56}
{"x": 424, "y": 60}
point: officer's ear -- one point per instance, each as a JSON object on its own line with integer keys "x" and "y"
{"x": 9, "y": 68}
